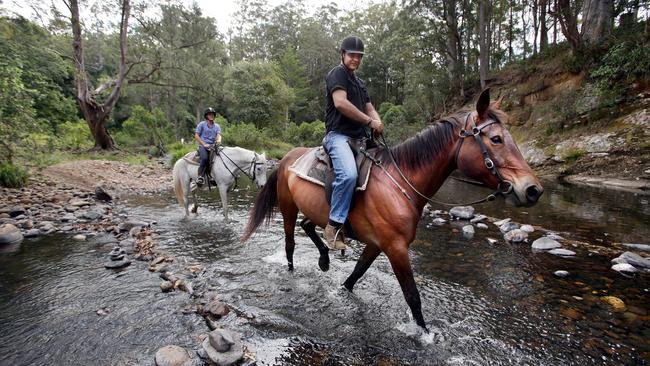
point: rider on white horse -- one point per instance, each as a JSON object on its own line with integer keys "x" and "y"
{"x": 207, "y": 134}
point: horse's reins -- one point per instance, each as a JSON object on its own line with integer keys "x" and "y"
{"x": 504, "y": 187}
{"x": 252, "y": 166}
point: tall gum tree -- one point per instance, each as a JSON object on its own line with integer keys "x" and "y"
{"x": 95, "y": 112}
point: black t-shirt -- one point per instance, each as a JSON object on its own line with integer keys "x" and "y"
{"x": 340, "y": 78}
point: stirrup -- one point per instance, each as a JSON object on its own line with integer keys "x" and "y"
{"x": 200, "y": 181}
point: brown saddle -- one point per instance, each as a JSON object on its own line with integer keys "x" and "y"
{"x": 316, "y": 166}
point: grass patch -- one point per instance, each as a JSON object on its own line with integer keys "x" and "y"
{"x": 43, "y": 160}
{"x": 13, "y": 176}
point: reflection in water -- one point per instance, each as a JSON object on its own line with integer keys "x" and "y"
{"x": 485, "y": 304}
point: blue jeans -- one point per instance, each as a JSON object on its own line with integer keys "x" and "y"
{"x": 345, "y": 171}
{"x": 205, "y": 155}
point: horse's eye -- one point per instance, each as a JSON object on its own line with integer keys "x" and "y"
{"x": 496, "y": 139}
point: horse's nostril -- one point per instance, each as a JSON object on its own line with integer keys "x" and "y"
{"x": 533, "y": 193}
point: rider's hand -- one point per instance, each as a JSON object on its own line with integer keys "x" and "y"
{"x": 377, "y": 126}
{"x": 207, "y": 146}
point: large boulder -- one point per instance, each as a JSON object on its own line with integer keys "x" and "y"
{"x": 633, "y": 259}
{"x": 9, "y": 234}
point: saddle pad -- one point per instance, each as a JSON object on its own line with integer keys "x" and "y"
{"x": 312, "y": 167}
{"x": 192, "y": 157}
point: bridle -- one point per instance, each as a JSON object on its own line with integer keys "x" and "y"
{"x": 504, "y": 187}
{"x": 252, "y": 168}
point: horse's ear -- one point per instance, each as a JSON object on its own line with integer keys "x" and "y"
{"x": 497, "y": 104}
{"x": 483, "y": 103}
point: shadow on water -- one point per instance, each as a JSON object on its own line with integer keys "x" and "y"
{"x": 485, "y": 304}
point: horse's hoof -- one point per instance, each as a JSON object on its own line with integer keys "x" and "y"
{"x": 290, "y": 267}
{"x": 324, "y": 264}
{"x": 343, "y": 252}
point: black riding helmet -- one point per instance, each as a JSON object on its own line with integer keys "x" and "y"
{"x": 352, "y": 44}
{"x": 209, "y": 110}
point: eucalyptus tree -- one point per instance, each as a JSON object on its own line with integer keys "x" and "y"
{"x": 96, "y": 104}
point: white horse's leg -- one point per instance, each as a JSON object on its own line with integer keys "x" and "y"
{"x": 223, "y": 192}
{"x": 181, "y": 179}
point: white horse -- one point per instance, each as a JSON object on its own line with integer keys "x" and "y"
{"x": 226, "y": 168}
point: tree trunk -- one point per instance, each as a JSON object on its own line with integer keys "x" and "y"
{"x": 543, "y": 30}
{"x": 483, "y": 36}
{"x": 510, "y": 32}
{"x": 95, "y": 113}
{"x": 567, "y": 15}
{"x": 454, "y": 67}
{"x": 597, "y": 20}
{"x": 534, "y": 8}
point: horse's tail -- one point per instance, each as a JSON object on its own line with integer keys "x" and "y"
{"x": 178, "y": 185}
{"x": 265, "y": 202}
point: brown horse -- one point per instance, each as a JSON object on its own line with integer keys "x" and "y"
{"x": 385, "y": 216}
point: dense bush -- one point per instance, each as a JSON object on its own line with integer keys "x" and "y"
{"x": 623, "y": 61}
{"x": 177, "y": 150}
{"x": 398, "y": 128}
{"x": 145, "y": 129}
{"x": 305, "y": 134}
{"x": 12, "y": 176}
{"x": 74, "y": 135}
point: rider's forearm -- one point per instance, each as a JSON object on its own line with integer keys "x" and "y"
{"x": 349, "y": 110}
{"x": 198, "y": 139}
{"x": 219, "y": 139}
{"x": 374, "y": 115}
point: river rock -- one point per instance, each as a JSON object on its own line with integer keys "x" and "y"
{"x": 554, "y": 236}
{"x": 166, "y": 286}
{"x": 633, "y": 259}
{"x": 478, "y": 218}
{"x": 617, "y": 304}
{"x": 128, "y": 225}
{"x": 624, "y": 268}
{"x": 117, "y": 264}
{"x": 501, "y": 222}
{"x": 16, "y": 211}
{"x": 9, "y": 234}
{"x": 562, "y": 252}
{"x": 481, "y": 225}
{"x": 468, "y": 231}
{"x": 642, "y": 247}
{"x": 515, "y": 236}
{"x": 438, "y": 221}
{"x": 47, "y": 227}
{"x": 545, "y": 243}
{"x": 79, "y": 237}
{"x": 508, "y": 226}
{"x": 527, "y": 228}
{"x": 462, "y": 212}
{"x": 102, "y": 195}
{"x": 491, "y": 241}
{"x": 224, "y": 347}
{"x": 92, "y": 215}
{"x": 67, "y": 217}
{"x": 70, "y": 208}
{"x": 561, "y": 273}
{"x": 128, "y": 245}
{"x": 32, "y": 233}
{"x": 27, "y": 224}
{"x": 79, "y": 202}
{"x": 216, "y": 309}
{"x": 172, "y": 356}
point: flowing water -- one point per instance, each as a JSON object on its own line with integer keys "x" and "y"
{"x": 484, "y": 304}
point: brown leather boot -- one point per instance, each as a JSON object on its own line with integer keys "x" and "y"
{"x": 334, "y": 238}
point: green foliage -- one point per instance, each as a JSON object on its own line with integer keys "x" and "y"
{"x": 248, "y": 136}
{"x": 305, "y": 134}
{"x": 573, "y": 154}
{"x": 398, "y": 128}
{"x": 74, "y": 135}
{"x": 12, "y": 176}
{"x": 256, "y": 93}
{"x": 177, "y": 150}
{"x": 622, "y": 61}
{"x": 145, "y": 129}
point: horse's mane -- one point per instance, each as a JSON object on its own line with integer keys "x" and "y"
{"x": 420, "y": 149}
